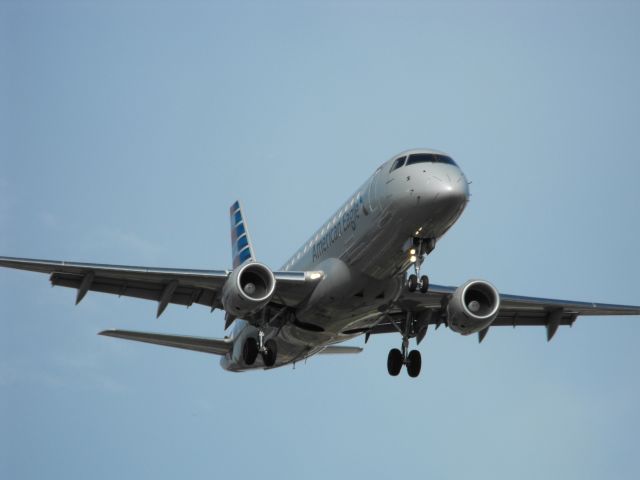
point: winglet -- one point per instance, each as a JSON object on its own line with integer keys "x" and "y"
{"x": 242, "y": 250}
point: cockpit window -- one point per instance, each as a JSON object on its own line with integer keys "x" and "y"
{"x": 429, "y": 158}
{"x": 398, "y": 163}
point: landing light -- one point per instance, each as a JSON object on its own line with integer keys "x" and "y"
{"x": 315, "y": 275}
{"x": 412, "y": 251}
{"x": 413, "y": 259}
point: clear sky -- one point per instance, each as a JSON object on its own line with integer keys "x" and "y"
{"x": 128, "y": 128}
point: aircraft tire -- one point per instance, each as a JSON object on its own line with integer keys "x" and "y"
{"x": 412, "y": 283}
{"x": 414, "y": 363}
{"x": 394, "y": 362}
{"x": 250, "y": 351}
{"x": 269, "y": 357}
{"x": 424, "y": 284}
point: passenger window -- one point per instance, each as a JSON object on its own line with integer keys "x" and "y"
{"x": 398, "y": 163}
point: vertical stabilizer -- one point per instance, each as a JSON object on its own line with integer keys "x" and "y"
{"x": 242, "y": 250}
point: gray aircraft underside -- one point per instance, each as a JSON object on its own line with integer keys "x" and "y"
{"x": 349, "y": 279}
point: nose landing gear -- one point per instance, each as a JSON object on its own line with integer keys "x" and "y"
{"x": 421, "y": 247}
{"x": 414, "y": 284}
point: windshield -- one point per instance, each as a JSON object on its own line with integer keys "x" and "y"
{"x": 429, "y": 158}
{"x": 398, "y": 163}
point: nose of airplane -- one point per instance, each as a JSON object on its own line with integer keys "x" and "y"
{"x": 429, "y": 191}
{"x": 448, "y": 187}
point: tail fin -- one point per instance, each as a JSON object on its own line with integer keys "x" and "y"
{"x": 242, "y": 251}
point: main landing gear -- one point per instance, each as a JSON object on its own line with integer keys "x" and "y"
{"x": 253, "y": 347}
{"x": 397, "y": 358}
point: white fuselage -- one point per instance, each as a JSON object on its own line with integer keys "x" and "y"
{"x": 362, "y": 251}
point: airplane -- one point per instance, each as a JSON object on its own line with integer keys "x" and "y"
{"x": 358, "y": 274}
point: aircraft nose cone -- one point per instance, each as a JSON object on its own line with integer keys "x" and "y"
{"x": 450, "y": 190}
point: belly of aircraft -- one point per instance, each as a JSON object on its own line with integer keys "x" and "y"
{"x": 297, "y": 341}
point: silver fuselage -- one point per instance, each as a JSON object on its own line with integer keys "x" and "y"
{"x": 362, "y": 251}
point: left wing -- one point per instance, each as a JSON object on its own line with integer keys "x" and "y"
{"x": 515, "y": 310}
{"x": 164, "y": 285}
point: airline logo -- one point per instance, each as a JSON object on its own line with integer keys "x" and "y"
{"x": 241, "y": 248}
{"x": 346, "y": 222}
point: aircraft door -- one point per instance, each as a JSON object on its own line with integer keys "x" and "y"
{"x": 372, "y": 194}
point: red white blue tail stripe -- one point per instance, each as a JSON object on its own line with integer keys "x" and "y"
{"x": 242, "y": 251}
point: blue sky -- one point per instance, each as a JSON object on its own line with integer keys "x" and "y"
{"x": 128, "y": 128}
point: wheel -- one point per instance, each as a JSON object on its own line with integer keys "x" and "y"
{"x": 414, "y": 363}
{"x": 424, "y": 284}
{"x": 412, "y": 283}
{"x": 250, "y": 351}
{"x": 394, "y": 362}
{"x": 269, "y": 357}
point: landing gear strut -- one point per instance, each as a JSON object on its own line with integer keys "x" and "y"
{"x": 253, "y": 347}
{"x": 397, "y": 358}
{"x": 421, "y": 247}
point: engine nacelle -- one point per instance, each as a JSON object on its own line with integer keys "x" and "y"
{"x": 473, "y": 307}
{"x": 248, "y": 289}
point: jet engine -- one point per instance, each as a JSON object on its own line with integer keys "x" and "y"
{"x": 473, "y": 307}
{"x": 248, "y": 289}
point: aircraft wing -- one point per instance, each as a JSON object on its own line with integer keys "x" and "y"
{"x": 515, "y": 310}
{"x": 163, "y": 285}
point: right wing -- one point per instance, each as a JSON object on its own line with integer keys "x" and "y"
{"x": 198, "y": 344}
{"x": 515, "y": 310}
{"x": 164, "y": 285}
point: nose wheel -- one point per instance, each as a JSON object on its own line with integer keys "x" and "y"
{"x": 414, "y": 284}
{"x": 421, "y": 248}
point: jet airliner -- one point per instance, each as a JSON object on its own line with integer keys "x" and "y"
{"x": 358, "y": 274}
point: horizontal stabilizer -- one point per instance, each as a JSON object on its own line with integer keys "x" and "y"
{"x": 339, "y": 350}
{"x": 198, "y": 344}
